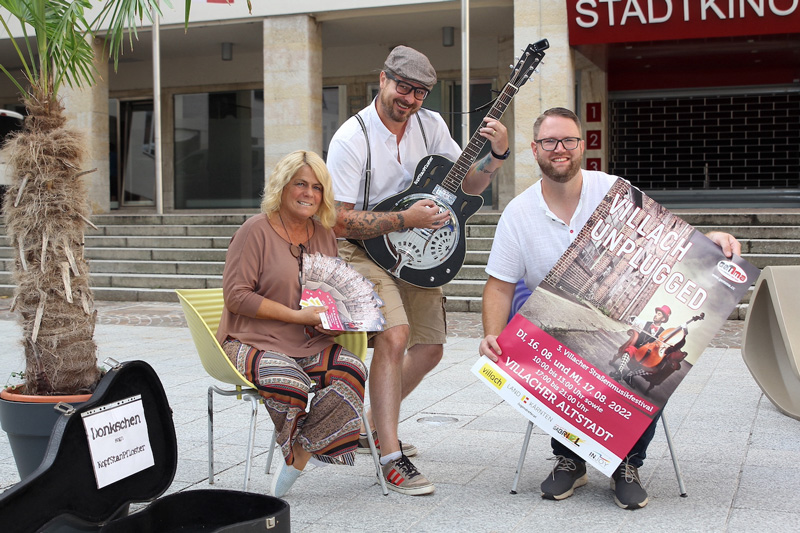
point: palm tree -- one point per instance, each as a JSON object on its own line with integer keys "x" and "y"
{"x": 46, "y": 208}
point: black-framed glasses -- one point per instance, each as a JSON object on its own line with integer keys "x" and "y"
{"x": 569, "y": 143}
{"x": 420, "y": 93}
{"x": 297, "y": 251}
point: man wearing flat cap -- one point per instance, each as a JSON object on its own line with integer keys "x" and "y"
{"x": 396, "y": 134}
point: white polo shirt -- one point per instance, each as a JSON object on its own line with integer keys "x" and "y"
{"x": 530, "y": 238}
{"x": 347, "y": 155}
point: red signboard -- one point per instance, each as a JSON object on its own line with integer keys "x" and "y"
{"x": 593, "y": 163}
{"x": 593, "y": 113}
{"x": 616, "y": 21}
{"x": 594, "y": 140}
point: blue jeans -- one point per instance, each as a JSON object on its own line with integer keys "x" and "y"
{"x": 635, "y": 457}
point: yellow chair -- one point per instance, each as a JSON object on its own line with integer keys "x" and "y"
{"x": 203, "y": 308}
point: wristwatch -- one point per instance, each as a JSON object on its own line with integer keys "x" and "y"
{"x": 502, "y": 157}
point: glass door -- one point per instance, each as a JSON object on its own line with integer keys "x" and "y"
{"x": 137, "y": 162}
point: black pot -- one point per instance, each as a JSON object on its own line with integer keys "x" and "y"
{"x": 29, "y": 426}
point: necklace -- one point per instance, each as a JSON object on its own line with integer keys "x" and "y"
{"x": 296, "y": 249}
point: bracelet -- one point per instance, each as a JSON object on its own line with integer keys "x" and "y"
{"x": 501, "y": 157}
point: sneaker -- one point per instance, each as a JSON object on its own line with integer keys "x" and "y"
{"x": 627, "y": 487}
{"x": 403, "y": 477}
{"x": 567, "y": 475}
{"x": 409, "y": 450}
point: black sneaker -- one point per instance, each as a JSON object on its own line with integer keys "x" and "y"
{"x": 627, "y": 487}
{"x": 567, "y": 475}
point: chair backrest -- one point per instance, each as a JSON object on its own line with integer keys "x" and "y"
{"x": 771, "y": 339}
{"x": 203, "y": 308}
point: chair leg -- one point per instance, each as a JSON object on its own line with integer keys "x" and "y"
{"x": 522, "y": 454}
{"x": 211, "y": 435}
{"x": 272, "y": 444}
{"x": 254, "y": 399}
{"x": 674, "y": 457}
{"x": 374, "y": 451}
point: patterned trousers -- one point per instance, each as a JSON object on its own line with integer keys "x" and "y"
{"x": 328, "y": 427}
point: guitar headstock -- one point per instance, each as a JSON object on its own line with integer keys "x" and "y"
{"x": 528, "y": 62}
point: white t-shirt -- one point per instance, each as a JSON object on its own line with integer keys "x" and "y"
{"x": 530, "y": 238}
{"x": 347, "y": 155}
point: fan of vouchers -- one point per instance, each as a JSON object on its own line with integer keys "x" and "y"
{"x": 353, "y": 304}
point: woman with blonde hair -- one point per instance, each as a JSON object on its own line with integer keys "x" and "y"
{"x": 275, "y": 344}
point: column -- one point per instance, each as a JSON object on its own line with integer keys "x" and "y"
{"x": 292, "y": 87}
{"x": 87, "y": 110}
{"x": 593, "y": 91}
{"x": 553, "y": 85}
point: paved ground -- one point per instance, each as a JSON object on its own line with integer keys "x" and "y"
{"x": 739, "y": 455}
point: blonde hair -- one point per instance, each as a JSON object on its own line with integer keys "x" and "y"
{"x": 283, "y": 173}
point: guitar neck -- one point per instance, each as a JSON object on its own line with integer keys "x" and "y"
{"x": 452, "y": 182}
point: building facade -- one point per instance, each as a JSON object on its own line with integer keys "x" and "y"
{"x": 692, "y": 100}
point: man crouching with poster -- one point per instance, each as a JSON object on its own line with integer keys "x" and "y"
{"x": 534, "y": 231}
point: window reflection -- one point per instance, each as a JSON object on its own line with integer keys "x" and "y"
{"x": 219, "y": 149}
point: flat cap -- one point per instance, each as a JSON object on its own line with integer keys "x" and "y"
{"x": 411, "y": 65}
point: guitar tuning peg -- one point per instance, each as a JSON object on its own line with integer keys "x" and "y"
{"x": 511, "y": 66}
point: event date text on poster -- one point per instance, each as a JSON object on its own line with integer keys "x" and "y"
{"x": 573, "y": 388}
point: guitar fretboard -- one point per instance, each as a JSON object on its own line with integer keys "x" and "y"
{"x": 461, "y": 167}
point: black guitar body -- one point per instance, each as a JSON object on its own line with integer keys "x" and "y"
{"x": 64, "y": 484}
{"x": 426, "y": 257}
{"x": 62, "y": 494}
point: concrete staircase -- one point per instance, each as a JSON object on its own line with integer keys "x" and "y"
{"x": 146, "y": 257}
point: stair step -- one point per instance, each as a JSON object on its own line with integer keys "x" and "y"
{"x": 155, "y": 281}
{"x": 171, "y": 219}
{"x": 163, "y": 231}
{"x": 739, "y": 219}
{"x": 204, "y": 268}
{"x": 756, "y": 232}
{"x": 156, "y": 241}
{"x": 143, "y": 254}
{"x": 462, "y": 287}
{"x": 771, "y": 246}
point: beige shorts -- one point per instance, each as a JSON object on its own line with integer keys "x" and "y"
{"x": 422, "y": 310}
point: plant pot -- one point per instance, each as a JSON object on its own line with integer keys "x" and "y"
{"x": 28, "y": 421}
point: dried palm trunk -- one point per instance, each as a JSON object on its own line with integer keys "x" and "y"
{"x": 46, "y": 210}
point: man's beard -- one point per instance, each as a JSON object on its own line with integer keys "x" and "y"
{"x": 559, "y": 176}
{"x": 387, "y": 104}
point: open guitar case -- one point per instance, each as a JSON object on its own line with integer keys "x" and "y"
{"x": 61, "y": 495}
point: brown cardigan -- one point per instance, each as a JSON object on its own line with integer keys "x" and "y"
{"x": 258, "y": 265}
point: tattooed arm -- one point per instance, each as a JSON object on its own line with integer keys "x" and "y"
{"x": 484, "y": 170}
{"x": 363, "y": 225}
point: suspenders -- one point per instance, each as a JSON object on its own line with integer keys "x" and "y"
{"x": 368, "y": 172}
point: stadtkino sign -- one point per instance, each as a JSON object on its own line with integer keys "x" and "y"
{"x": 610, "y": 21}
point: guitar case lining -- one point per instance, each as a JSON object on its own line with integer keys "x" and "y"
{"x": 63, "y": 490}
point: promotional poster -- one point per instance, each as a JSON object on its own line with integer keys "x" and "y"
{"x": 602, "y": 343}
